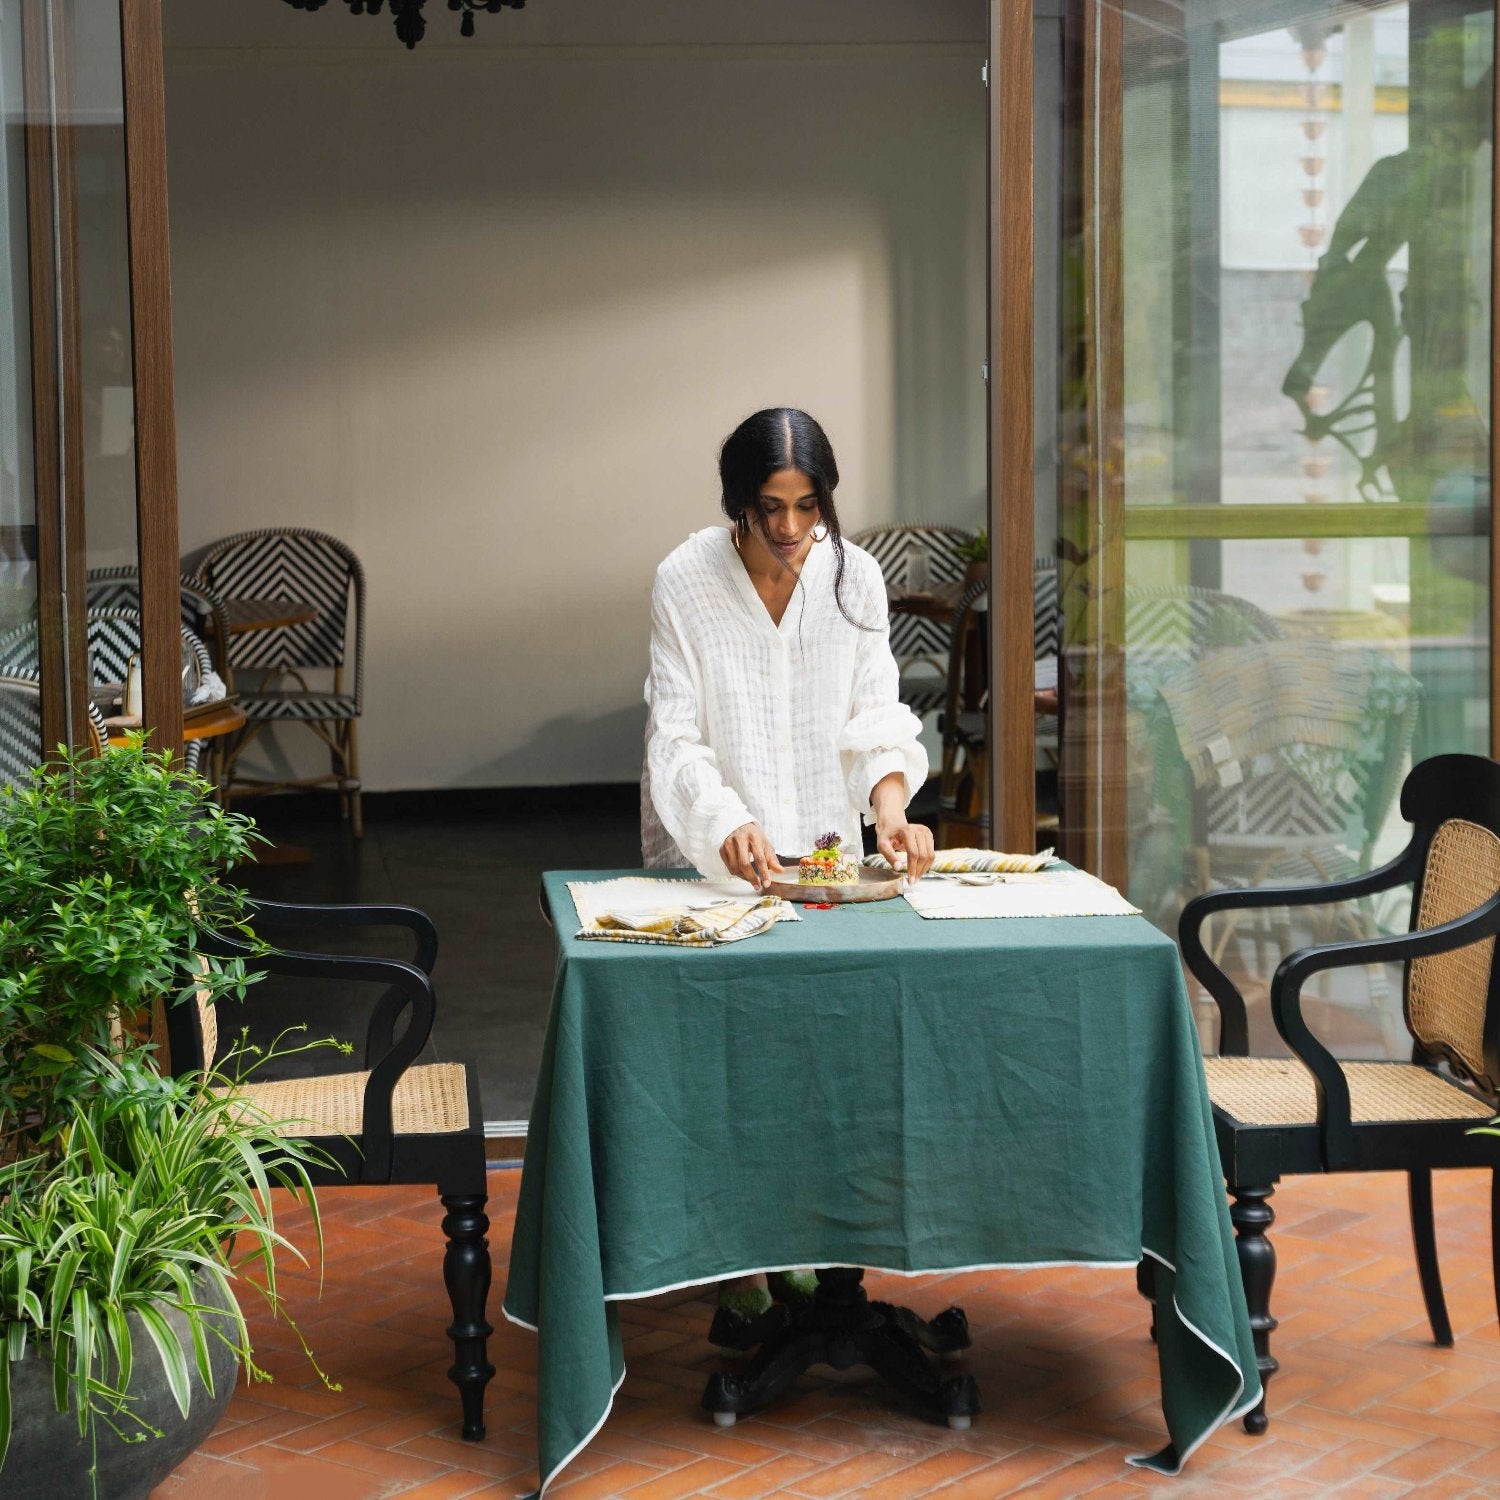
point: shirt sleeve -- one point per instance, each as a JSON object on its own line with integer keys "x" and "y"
{"x": 882, "y": 734}
{"x": 690, "y": 795}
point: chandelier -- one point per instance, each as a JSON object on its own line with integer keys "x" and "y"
{"x": 411, "y": 25}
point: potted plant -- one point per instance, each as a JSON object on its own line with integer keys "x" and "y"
{"x": 976, "y": 555}
{"x": 131, "y": 1203}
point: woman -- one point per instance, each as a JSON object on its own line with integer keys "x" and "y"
{"x": 773, "y": 709}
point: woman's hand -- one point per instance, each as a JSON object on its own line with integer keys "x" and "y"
{"x": 894, "y": 836}
{"x": 914, "y": 840}
{"x": 747, "y": 852}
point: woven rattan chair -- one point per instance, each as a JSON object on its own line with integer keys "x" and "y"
{"x": 114, "y": 636}
{"x": 1278, "y": 1116}
{"x": 919, "y": 645}
{"x": 1233, "y": 791}
{"x": 395, "y": 1121}
{"x": 21, "y": 748}
{"x": 203, "y": 611}
{"x": 313, "y": 568}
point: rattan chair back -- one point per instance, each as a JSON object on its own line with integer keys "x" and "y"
{"x": 202, "y": 609}
{"x": 293, "y": 563}
{"x": 912, "y": 637}
{"x": 1448, "y": 994}
{"x": 20, "y": 728}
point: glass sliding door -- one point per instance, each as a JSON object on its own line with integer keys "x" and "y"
{"x": 1275, "y": 522}
{"x": 85, "y": 365}
{"x": 20, "y": 728}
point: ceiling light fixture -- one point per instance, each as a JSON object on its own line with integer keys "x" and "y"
{"x": 411, "y": 24}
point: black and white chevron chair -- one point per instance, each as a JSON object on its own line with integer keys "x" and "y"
{"x": 202, "y": 610}
{"x": 114, "y": 636}
{"x": 920, "y": 646}
{"x": 309, "y": 566}
{"x": 1270, "y": 821}
{"x": 21, "y": 748}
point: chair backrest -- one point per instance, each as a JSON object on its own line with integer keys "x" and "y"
{"x": 21, "y": 651}
{"x": 21, "y": 749}
{"x": 911, "y": 635}
{"x": 114, "y": 636}
{"x": 291, "y": 563}
{"x": 1171, "y": 625}
{"x": 20, "y": 728}
{"x": 1292, "y": 741}
{"x": 1044, "y": 607}
{"x": 202, "y": 609}
{"x": 1451, "y": 998}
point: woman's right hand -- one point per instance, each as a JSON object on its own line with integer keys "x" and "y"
{"x": 747, "y": 853}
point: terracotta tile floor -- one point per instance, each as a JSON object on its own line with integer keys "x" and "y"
{"x": 1365, "y": 1405}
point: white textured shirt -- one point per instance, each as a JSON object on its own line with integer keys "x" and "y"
{"x": 789, "y": 726}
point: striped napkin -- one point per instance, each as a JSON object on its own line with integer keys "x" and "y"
{"x": 682, "y": 913}
{"x": 971, "y": 861}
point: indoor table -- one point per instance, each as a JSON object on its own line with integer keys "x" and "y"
{"x": 867, "y": 1087}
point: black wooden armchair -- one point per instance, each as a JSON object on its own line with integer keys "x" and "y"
{"x": 1275, "y": 1116}
{"x": 396, "y": 1121}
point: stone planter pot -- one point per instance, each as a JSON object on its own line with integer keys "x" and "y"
{"x": 48, "y": 1457}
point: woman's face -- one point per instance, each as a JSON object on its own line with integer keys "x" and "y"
{"x": 788, "y": 513}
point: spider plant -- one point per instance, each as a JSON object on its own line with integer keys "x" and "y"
{"x": 124, "y": 1194}
{"x": 160, "y": 1198}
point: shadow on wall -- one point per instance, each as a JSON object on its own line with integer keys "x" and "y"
{"x": 562, "y": 744}
{"x": 565, "y": 745}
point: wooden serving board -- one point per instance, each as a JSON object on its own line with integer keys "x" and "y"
{"x": 873, "y": 885}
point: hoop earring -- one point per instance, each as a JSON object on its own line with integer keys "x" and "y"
{"x": 816, "y": 538}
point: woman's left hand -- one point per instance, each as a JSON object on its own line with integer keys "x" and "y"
{"x": 895, "y": 837}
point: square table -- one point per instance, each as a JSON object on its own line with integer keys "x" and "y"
{"x": 869, "y": 1088}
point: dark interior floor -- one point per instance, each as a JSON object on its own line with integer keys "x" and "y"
{"x": 473, "y": 862}
{"x": 474, "y": 865}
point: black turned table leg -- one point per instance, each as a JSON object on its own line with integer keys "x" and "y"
{"x": 1252, "y": 1216}
{"x": 841, "y": 1327}
{"x": 1145, "y": 1284}
{"x": 466, "y": 1271}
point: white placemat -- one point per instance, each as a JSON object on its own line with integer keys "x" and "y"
{"x": 1050, "y": 893}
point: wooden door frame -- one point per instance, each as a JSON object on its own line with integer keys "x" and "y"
{"x": 1009, "y": 424}
{"x": 151, "y": 352}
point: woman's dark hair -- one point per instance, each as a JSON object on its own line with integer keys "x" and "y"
{"x": 781, "y": 437}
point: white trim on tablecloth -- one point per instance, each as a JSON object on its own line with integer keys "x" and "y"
{"x": 1140, "y": 1461}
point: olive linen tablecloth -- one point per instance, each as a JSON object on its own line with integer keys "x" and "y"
{"x": 867, "y": 1088}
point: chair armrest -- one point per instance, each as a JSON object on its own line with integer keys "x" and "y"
{"x": 301, "y": 917}
{"x": 405, "y": 981}
{"x": 1334, "y": 1126}
{"x": 1235, "y": 1031}
{"x": 387, "y": 1012}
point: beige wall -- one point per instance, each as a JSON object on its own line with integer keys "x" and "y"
{"x": 486, "y": 310}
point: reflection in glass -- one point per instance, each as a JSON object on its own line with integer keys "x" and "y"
{"x": 20, "y": 711}
{"x": 1301, "y": 320}
{"x": 97, "y": 137}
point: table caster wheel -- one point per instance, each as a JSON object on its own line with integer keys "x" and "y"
{"x": 960, "y": 1424}
{"x": 728, "y": 1419}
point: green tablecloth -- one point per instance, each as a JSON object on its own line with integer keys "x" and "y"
{"x": 866, "y": 1087}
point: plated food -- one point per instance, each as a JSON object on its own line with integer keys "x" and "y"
{"x": 828, "y": 864}
{"x": 830, "y": 875}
